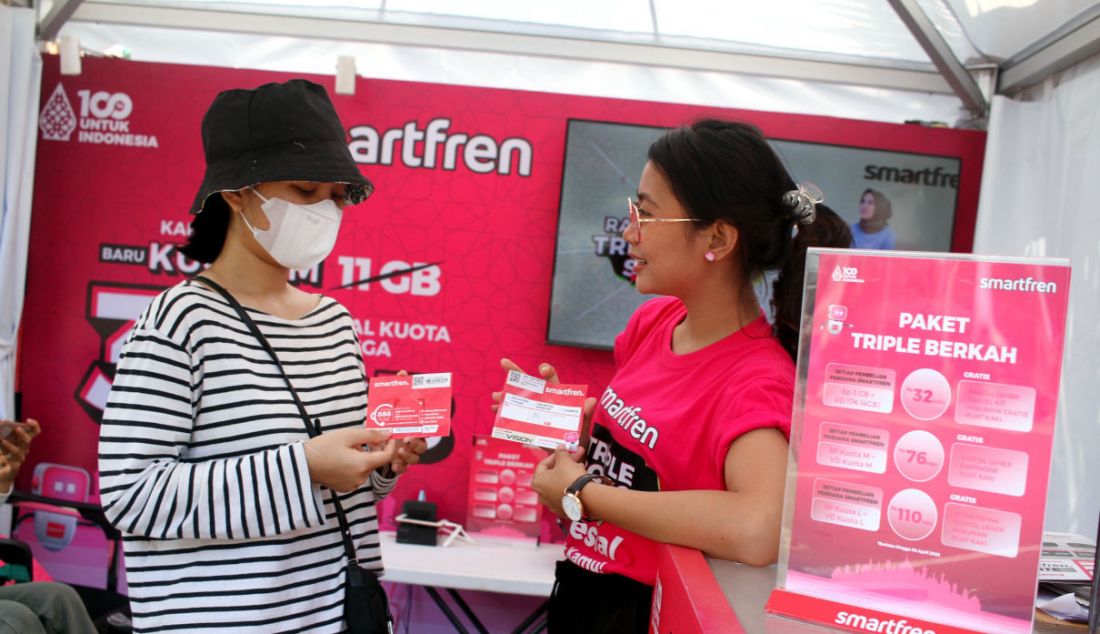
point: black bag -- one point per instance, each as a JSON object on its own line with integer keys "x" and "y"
{"x": 366, "y": 608}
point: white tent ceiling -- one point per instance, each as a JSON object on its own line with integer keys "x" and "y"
{"x": 879, "y": 44}
{"x": 977, "y": 30}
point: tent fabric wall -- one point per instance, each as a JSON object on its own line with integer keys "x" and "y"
{"x": 521, "y": 72}
{"x": 20, "y": 77}
{"x": 1039, "y": 197}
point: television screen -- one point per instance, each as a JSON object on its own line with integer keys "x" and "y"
{"x": 908, "y": 203}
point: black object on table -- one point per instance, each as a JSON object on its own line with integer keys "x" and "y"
{"x": 409, "y": 533}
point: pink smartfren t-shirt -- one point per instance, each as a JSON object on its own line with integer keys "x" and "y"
{"x": 666, "y": 422}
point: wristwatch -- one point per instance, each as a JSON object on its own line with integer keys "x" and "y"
{"x": 571, "y": 500}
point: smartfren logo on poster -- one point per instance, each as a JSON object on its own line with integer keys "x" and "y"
{"x": 104, "y": 119}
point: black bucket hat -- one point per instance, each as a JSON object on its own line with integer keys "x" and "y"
{"x": 277, "y": 132}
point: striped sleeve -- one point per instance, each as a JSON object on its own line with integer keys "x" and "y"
{"x": 146, "y": 486}
{"x": 381, "y": 484}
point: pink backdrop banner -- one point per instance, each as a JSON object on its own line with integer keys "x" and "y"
{"x": 926, "y": 436}
{"x": 468, "y": 185}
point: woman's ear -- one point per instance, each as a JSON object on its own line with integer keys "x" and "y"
{"x": 723, "y": 239}
{"x": 245, "y": 202}
{"x": 235, "y": 199}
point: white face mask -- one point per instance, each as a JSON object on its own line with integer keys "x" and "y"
{"x": 299, "y": 236}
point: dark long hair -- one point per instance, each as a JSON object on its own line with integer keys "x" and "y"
{"x": 725, "y": 170}
{"x": 208, "y": 230}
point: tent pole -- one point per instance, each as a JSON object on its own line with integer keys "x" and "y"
{"x": 1073, "y": 42}
{"x": 59, "y": 13}
{"x": 941, "y": 55}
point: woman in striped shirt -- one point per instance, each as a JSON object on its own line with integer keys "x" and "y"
{"x": 205, "y": 461}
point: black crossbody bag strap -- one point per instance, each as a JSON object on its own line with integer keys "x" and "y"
{"x": 313, "y": 427}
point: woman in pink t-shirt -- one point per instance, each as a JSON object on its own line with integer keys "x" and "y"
{"x": 688, "y": 443}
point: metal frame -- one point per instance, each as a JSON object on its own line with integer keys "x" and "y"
{"x": 60, "y": 12}
{"x": 1076, "y": 40}
{"x": 1073, "y": 42}
{"x": 929, "y": 38}
{"x": 534, "y": 622}
{"x": 646, "y": 53}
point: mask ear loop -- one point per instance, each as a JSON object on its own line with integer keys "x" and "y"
{"x": 255, "y": 231}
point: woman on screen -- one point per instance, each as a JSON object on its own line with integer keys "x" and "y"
{"x": 688, "y": 443}
{"x": 872, "y": 230}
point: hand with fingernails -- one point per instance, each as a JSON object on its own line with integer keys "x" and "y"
{"x": 343, "y": 459}
{"x": 14, "y": 448}
{"x": 408, "y": 450}
{"x": 560, "y": 468}
{"x": 550, "y": 375}
{"x": 407, "y": 453}
{"x": 554, "y": 474}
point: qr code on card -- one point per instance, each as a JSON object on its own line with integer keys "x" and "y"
{"x": 439, "y": 379}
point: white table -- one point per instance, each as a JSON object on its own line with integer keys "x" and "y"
{"x": 489, "y": 567}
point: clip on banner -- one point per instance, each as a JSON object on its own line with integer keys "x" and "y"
{"x": 345, "y": 75}
{"x": 69, "y": 47}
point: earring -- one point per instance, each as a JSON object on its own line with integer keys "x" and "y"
{"x": 710, "y": 256}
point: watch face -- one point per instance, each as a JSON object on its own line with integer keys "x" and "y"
{"x": 571, "y": 505}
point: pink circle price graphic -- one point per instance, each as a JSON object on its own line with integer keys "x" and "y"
{"x": 918, "y": 455}
{"x": 925, "y": 394}
{"x": 912, "y": 514}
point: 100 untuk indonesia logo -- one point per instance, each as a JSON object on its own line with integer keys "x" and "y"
{"x": 104, "y": 119}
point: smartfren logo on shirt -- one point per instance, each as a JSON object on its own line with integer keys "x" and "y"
{"x": 629, "y": 418}
{"x": 104, "y": 119}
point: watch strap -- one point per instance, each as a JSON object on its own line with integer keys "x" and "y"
{"x": 574, "y": 490}
{"x": 580, "y": 482}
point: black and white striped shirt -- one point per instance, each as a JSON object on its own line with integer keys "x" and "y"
{"x": 202, "y": 467}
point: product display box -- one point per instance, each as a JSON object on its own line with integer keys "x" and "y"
{"x": 921, "y": 440}
{"x": 502, "y": 504}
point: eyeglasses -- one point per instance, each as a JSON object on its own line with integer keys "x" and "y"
{"x": 637, "y": 221}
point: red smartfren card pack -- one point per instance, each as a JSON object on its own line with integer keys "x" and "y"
{"x": 416, "y": 406}
{"x": 535, "y": 412}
